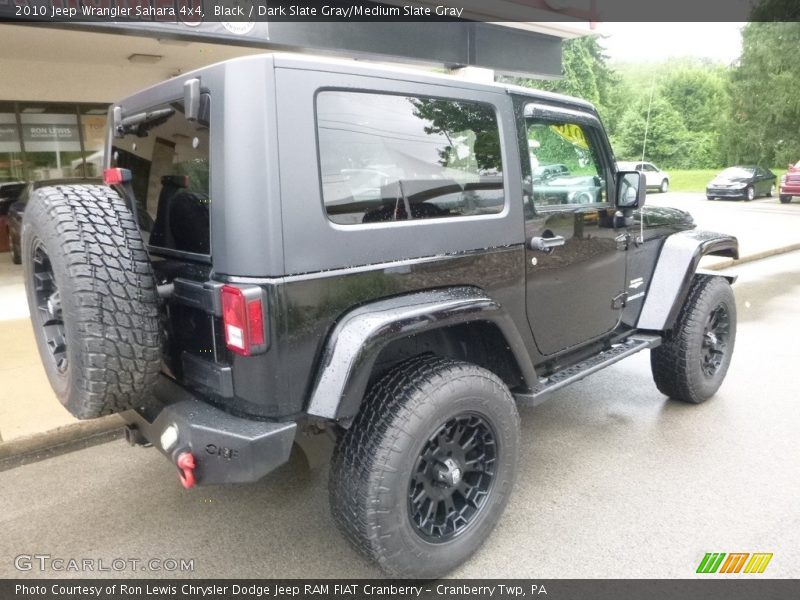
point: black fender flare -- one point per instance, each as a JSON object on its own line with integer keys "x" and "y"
{"x": 675, "y": 268}
{"x": 359, "y": 336}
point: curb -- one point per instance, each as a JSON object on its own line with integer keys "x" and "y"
{"x": 56, "y": 440}
{"x": 88, "y": 433}
{"x": 731, "y": 262}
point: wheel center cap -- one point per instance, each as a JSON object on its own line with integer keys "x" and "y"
{"x": 451, "y": 472}
{"x": 712, "y": 338}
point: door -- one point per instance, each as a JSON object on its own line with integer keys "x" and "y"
{"x": 764, "y": 181}
{"x": 575, "y": 267}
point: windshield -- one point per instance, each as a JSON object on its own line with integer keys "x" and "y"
{"x": 737, "y": 172}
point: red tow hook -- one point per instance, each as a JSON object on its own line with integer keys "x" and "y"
{"x": 186, "y": 466}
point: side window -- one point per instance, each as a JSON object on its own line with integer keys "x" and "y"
{"x": 169, "y": 159}
{"x": 569, "y": 146}
{"x": 393, "y": 158}
{"x": 648, "y": 168}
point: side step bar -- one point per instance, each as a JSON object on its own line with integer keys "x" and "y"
{"x": 578, "y": 371}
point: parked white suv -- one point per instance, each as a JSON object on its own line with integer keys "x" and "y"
{"x": 656, "y": 178}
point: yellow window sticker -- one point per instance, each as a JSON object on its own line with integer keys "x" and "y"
{"x": 572, "y": 133}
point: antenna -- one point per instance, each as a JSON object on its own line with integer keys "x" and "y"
{"x": 644, "y": 146}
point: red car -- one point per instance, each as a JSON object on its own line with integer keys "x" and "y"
{"x": 790, "y": 183}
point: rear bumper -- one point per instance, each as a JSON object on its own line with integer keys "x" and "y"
{"x": 225, "y": 448}
{"x": 790, "y": 189}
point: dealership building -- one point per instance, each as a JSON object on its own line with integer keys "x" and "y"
{"x": 57, "y": 80}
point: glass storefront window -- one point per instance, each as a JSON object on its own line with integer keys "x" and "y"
{"x": 11, "y": 160}
{"x": 52, "y": 141}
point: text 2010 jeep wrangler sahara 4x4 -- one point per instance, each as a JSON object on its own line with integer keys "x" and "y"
{"x": 295, "y": 244}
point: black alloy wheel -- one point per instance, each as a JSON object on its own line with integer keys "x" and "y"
{"x": 715, "y": 340}
{"x": 452, "y": 478}
{"x": 49, "y": 316}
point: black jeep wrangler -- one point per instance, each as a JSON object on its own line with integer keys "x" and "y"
{"x": 291, "y": 245}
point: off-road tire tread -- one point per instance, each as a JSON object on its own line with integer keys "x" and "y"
{"x": 670, "y": 361}
{"x": 116, "y": 301}
{"x": 359, "y": 455}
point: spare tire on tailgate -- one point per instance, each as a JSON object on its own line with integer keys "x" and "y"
{"x": 92, "y": 298}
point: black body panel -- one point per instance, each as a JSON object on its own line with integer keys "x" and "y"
{"x": 269, "y": 228}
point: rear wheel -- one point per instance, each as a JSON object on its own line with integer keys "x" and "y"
{"x": 422, "y": 476}
{"x": 664, "y": 186}
{"x": 691, "y": 363}
{"x": 92, "y": 299}
{"x": 785, "y": 199}
{"x": 771, "y": 191}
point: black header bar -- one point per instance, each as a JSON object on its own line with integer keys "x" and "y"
{"x": 710, "y": 588}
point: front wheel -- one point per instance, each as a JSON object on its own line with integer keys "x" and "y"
{"x": 423, "y": 474}
{"x": 750, "y": 193}
{"x": 785, "y": 199}
{"x": 693, "y": 359}
{"x": 664, "y": 186}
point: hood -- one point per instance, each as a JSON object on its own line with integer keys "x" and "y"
{"x": 729, "y": 180}
{"x": 665, "y": 216}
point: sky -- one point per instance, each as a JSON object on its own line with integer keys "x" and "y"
{"x": 656, "y": 42}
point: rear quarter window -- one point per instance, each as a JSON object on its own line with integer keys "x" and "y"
{"x": 390, "y": 158}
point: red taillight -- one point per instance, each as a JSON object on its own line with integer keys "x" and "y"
{"x": 255, "y": 322}
{"x": 116, "y": 176}
{"x": 243, "y": 320}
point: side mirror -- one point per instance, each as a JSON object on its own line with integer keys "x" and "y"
{"x": 631, "y": 189}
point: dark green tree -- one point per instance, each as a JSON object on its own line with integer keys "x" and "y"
{"x": 668, "y": 140}
{"x": 586, "y": 75}
{"x": 764, "y": 126}
{"x": 699, "y": 93}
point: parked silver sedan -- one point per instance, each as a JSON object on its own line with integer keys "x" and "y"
{"x": 656, "y": 178}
